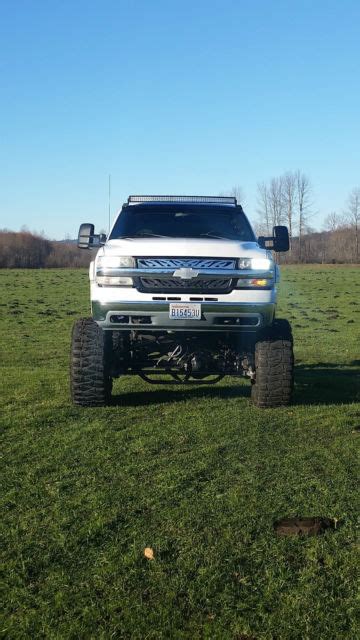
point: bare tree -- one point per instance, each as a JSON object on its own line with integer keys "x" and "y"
{"x": 303, "y": 194}
{"x": 276, "y": 201}
{"x": 332, "y": 221}
{"x": 289, "y": 200}
{"x": 270, "y": 204}
{"x": 236, "y": 192}
{"x": 263, "y": 209}
{"x": 353, "y": 215}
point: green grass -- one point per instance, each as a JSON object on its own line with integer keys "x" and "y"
{"x": 197, "y": 474}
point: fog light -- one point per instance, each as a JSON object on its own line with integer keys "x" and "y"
{"x": 254, "y": 282}
{"x": 119, "y": 319}
{"x": 114, "y": 281}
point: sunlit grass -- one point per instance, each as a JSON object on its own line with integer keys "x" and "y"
{"x": 198, "y": 475}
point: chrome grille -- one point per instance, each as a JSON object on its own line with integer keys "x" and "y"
{"x": 194, "y": 263}
{"x": 180, "y": 285}
{"x": 168, "y": 285}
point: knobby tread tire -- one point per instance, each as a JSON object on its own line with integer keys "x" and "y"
{"x": 90, "y": 383}
{"x": 274, "y": 367}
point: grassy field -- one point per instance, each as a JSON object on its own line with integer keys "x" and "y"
{"x": 198, "y": 475}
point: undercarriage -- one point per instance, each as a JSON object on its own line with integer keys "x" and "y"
{"x": 181, "y": 357}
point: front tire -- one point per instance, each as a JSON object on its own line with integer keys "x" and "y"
{"x": 90, "y": 381}
{"x": 274, "y": 367}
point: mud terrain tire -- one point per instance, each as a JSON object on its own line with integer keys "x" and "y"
{"x": 90, "y": 382}
{"x": 274, "y": 367}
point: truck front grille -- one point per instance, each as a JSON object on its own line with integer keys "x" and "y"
{"x": 174, "y": 285}
{"x": 179, "y": 285}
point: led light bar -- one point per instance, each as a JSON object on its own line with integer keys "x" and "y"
{"x": 200, "y": 199}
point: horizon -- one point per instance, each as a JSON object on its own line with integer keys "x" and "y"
{"x": 254, "y": 220}
{"x": 183, "y": 99}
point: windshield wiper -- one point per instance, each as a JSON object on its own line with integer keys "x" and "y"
{"x": 212, "y": 235}
{"x": 147, "y": 234}
{"x": 141, "y": 235}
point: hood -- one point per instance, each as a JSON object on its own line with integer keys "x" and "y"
{"x": 182, "y": 247}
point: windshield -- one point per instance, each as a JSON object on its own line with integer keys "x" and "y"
{"x": 182, "y": 221}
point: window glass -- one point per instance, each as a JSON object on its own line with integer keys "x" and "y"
{"x": 182, "y": 221}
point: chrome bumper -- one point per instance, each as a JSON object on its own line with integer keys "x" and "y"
{"x": 154, "y": 316}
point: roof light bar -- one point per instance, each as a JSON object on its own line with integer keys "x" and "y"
{"x": 200, "y": 199}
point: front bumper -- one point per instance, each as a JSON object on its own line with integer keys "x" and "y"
{"x": 154, "y": 316}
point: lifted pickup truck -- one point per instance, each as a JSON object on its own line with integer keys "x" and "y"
{"x": 182, "y": 292}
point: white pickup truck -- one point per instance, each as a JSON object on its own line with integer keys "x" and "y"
{"x": 182, "y": 292}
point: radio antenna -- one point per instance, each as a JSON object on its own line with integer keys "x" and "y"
{"x": 109, "y": 201}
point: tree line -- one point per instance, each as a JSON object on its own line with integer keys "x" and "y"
{"x": 323, "y": 247}
{"x": 284, "y": 200}
{"x": 27, "y": 250}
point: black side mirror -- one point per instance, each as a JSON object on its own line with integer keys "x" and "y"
{"x": 281, "y": 238}
{"x": 86, "y": 235}
{"x": 266, "y": 242}
{"x": 279, "y": 241}
{"x": 87, "y": 239}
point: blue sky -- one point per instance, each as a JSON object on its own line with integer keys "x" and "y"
{"x": 172, "y": 97}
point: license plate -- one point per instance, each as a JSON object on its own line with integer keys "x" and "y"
{"x": 185, "y": 311}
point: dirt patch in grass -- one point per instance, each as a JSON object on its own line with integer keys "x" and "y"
{"x": 303, "y": 526}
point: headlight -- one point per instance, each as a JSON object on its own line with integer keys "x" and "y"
{"x": 256, "y": 264}
{"x": 107, "y": 263}
{"x": 115, "y": 262}
{"x": 261, "y": 264}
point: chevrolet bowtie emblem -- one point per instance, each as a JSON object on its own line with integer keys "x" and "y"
{"x": 186, "y": 273}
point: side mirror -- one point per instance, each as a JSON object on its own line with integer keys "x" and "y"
{"x": 281, "y": 238}
{"x": 266, "y": 242}
{"x": 86, "y": 235}
{"x": 279, "y": 241}
{"x": 87, "y": 239}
